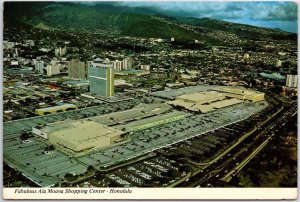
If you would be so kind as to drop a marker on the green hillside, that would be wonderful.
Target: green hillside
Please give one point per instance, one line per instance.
(83, 18)
(124, 21)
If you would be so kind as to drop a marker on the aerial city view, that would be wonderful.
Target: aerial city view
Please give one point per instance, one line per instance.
(150, 94)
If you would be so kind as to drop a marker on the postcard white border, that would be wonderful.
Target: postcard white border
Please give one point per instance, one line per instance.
(152, 193)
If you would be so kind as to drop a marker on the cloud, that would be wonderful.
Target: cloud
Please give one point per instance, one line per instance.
(285, 11)
(282, 14)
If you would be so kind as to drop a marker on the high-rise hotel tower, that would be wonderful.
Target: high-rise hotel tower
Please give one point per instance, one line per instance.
(101, 78)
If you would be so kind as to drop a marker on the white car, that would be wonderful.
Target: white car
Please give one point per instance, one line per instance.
(26, 141)
(49, 152)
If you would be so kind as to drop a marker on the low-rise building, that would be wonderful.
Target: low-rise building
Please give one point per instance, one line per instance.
(212, 100)
(55, 109)
(242, 94)
(79, 135)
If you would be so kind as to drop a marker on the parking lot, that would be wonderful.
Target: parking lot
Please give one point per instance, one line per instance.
(50, 169)
(148, 140)
(30, 158)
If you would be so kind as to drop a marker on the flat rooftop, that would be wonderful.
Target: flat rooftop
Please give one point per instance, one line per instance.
(225, 103)
(153, 121)
(48, 169)
(238, 91)
(63, 106)
(173, 93)
(202, 97)
(140, 111)
(81, 135)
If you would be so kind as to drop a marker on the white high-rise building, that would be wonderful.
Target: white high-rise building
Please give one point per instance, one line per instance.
(292, 81)
(77, 69)
(39, 66)
(117, 65)
(16, 52)
(278, 63)
(56, 51)
(60, 51)
(53, 69)
(127, 63)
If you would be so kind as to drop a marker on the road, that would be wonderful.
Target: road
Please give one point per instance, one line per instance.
(241, 165)
(229, 165)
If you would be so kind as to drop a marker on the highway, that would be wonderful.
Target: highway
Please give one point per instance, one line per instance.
(229, 165)
(267, 135)
(240, 166)
(214, 172)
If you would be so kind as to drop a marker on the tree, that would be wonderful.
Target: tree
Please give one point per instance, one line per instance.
(49, 148)
(24, 136)
(69, 176)
(90, 168)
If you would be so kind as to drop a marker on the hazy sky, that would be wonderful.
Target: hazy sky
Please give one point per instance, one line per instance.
(280, 14)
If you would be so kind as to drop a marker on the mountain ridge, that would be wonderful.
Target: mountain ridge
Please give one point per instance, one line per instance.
(123, 20)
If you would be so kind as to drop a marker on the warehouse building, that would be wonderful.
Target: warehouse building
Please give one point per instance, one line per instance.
(79, 136)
